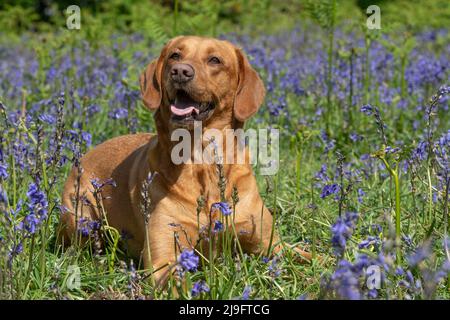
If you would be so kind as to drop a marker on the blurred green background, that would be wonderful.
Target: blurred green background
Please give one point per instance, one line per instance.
(161, 19)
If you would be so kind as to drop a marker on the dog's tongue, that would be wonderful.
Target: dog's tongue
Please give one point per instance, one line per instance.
(184, 105)
(183, 111)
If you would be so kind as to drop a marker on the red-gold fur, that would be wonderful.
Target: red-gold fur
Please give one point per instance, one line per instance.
(239, 92)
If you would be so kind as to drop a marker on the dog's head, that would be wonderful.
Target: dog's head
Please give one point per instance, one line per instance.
(201, 79)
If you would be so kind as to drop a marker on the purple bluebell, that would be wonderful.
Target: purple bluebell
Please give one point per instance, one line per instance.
(15, 250)
(199, 287)
(47, 118)
(355, 137)
(367, 109)
(37, 209)
(391, 150)
(188, 260)
(83, 227)
(422, 253)
(370, 241)
(223, 207)
(329, 189)
(3, 196)
(3, 171)
(119, 113)
(361, 195)
(345, 282)
(373, 293)
(342, 231)
(321, 175)
(274, 269)
(218, 226)
(86, 226)
(99, 185)
(246, 293)
(399, 271)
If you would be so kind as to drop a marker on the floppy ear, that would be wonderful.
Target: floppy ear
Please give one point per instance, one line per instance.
(250, 93)
(150, 82)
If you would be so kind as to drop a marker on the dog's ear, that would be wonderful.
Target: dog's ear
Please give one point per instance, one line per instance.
(151, 79)
(150, 82)
(250, 92)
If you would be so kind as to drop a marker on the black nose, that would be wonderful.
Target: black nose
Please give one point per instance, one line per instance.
(182, 72)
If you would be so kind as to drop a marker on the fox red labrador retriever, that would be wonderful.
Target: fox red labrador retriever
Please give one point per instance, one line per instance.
(194, 79)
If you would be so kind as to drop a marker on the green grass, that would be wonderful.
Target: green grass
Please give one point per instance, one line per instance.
(302, 216)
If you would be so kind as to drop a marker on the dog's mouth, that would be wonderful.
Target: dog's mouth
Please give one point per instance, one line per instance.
(185, 109)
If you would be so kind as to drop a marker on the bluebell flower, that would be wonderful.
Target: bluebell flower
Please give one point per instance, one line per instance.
(345, 282)
(274, 270)
(367, 109)
(134, 276)
(391, 150)
(370, 241)
(441, 149)
(86, 226)
(373, 293)
(95, 225)
(399, 271)
(30, 223)
(420, 152)
(93, 109)
(361, 195)
(246, 293)
(37, 198)
(61, 98)
(3, 197)
(198, 288)
(87, 138)
(15, 250)
(442, 272)
(99, 185)
(421, 254)
(218, 226)
(322, 174)
(375, 227)
(3, 171)
(329, 189)
(355, 137)
(119, 113)
(408, 241)
(47, 118)
(37, 208)
(188, 260)
(83, 227)
(342, 231)
(409, 276)
(222, 207)
(443, 90)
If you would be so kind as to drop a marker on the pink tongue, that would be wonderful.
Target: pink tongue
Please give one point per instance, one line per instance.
(184, 111)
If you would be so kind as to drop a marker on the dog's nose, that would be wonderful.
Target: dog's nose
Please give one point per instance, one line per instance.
(182, 72)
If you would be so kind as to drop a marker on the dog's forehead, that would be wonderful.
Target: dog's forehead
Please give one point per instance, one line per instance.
(203, 45)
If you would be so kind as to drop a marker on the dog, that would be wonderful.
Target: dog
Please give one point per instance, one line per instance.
(194, 79)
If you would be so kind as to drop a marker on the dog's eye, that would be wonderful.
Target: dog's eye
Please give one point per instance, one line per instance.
(175, 56)
(214, 60)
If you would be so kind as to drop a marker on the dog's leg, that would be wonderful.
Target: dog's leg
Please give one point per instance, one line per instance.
(164, 242)
(74, 208)
(256, 235)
